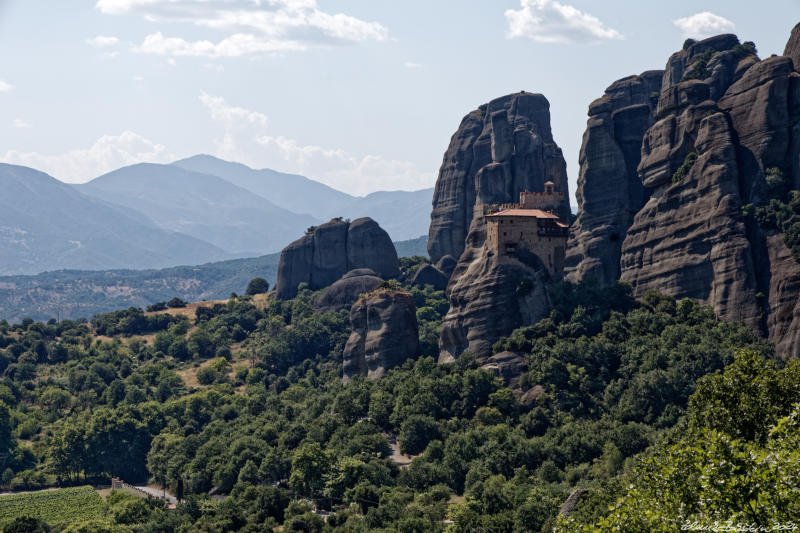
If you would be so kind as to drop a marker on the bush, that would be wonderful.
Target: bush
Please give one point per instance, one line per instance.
(685, 167)
(158, 306)
(257, 286)
(176, 303)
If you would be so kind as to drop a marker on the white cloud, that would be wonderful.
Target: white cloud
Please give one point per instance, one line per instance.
(230, 115)
(101, 41)
(108, 153)
(247, 140)
(5, 87)
(342, 170)
(548, 21)
(19, 123)
(233, 46)
(704, 24)
(411, 64)
(137, 78)
(251, 26)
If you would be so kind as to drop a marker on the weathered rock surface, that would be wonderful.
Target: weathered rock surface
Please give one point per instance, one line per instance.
(325, 254)
(736, 116)
(489, 298)
(499, 150)
(429, 275)
(385, 334)
(792, 49)
(345, 292)
(609, 189)
(447, 264)
(508, 366)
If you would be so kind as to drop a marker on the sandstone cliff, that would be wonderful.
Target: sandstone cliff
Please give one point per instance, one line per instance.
(489, 298)
(722, 118)
(609, 190)
(330, 250)
(499, 150)
(385, 334)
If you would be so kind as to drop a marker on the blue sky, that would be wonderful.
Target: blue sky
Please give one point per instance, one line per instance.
(360, 94)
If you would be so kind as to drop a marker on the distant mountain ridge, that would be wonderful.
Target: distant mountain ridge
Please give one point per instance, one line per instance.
(403, 214)
(46, 224)
(202, 205)
(196, 210)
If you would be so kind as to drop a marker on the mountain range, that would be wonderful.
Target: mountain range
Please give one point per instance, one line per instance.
(196, 210)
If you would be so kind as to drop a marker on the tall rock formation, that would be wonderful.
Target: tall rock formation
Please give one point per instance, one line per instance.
(327, 252)
(385, 334)
(499, 150)
(722, 118)
(609, 189)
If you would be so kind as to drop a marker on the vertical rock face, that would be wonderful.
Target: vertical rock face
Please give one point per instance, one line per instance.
(609, 189)
(325, 254)
(385, 334)
(722, 118)
(792, 49)
(499, 150)
(489, 298)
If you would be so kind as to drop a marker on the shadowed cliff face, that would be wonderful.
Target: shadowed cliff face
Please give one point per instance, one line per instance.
(331, 250)
(609, 189)
(499, 150)
(722, 118)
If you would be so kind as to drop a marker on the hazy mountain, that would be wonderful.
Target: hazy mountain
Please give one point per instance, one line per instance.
(46, 225)
(290, 191)
(201, 205)
(81, 293)
(404, 215)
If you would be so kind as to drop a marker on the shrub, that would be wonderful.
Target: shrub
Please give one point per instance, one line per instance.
(257, 286)
(685, 167)
(176, 303)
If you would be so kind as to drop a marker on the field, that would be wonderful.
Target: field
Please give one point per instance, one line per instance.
(56, 507)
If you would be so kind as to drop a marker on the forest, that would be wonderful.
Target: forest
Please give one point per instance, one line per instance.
(654, 408)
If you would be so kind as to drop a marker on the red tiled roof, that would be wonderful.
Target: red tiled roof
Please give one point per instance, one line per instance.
(537, 213)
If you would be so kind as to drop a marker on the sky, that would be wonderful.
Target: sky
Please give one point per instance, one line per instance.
(362, 95)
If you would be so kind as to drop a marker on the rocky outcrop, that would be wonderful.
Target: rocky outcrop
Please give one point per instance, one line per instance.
(609, 189)
(722, 118)
(508, 366)
(429, 275)
(330, 250)
(499, 150)
(489, 298)
(447, 264)
(385, 334)
(690, 239)
(792, 49)
(346, 291)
